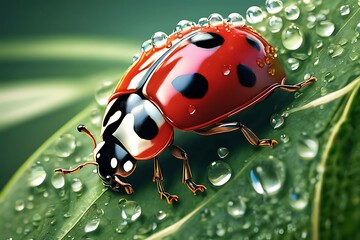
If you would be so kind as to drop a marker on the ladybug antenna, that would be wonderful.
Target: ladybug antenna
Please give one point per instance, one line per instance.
(83, 129)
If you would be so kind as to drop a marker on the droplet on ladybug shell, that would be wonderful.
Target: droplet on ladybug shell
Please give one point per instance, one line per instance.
(146, 46)
(184, 25)
(215, 19)
(159, 39)
(191, 109)
(203, 22)
(226, 69)
(236, 20)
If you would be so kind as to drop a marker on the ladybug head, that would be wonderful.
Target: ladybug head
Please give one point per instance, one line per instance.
(111, 158)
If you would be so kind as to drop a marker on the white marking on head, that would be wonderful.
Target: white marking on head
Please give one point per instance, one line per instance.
(128, 166)
(113, 162)
(154, 113)
(97, 149)
(116, 116)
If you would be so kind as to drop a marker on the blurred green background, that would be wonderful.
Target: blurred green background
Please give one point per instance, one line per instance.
(54, 53)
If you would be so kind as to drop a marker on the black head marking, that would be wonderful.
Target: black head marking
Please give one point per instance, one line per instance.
(207, 40)
(246, 76)
(144, 126)
(253, 42)
(193, 86)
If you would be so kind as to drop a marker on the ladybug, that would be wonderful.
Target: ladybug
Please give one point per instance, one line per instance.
(191, 80)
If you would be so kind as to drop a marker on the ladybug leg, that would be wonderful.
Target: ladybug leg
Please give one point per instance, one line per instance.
(127, 186)
(158, 178)
(179, 153)
(234, 126)
(75, 170)
(296, 87)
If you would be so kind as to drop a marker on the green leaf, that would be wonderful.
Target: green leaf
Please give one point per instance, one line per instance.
(306, 187)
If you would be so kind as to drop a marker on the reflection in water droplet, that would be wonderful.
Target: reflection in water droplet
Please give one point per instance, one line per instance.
(268, 177)
(223, 152)
(219, 173)
(37, 176)
(65, 145)
(58, 180)
(344, 10)
(130, 210)
(298, 199)
(325, 28)
(254, 14)
(203, 22)
(273, 6)
(284, 138)
(307, 147)
(76, 185)
(292, 12)
(159, 39)
(19, 205)
(236, 208)
(276, 120)
(215, 19)
(92, 225)
(103, 92)
(292, 37)
(236, 20)
(275, 24)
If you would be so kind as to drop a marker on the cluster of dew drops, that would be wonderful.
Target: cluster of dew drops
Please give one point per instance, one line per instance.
(268, 177)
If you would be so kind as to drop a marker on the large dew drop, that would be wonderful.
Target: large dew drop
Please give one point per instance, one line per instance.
(76, 185)
(236, 20)
(65, 145)
(92, 225)
(130, 210)
(184, 25)
(215, 19)
(268, 177)
(273, 6)
(254, 14)
(307, 147)
(58, 180)
(37, 176)
(292, 12)
(219, 173)
(275, 24)
(292, 37)
(159, 39)
(103, 92)
(325, 28)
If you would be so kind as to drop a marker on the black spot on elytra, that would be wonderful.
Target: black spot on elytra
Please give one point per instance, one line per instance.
(246, 76)
(144, 126)
(191, 85)
(207, 40)
(253, 42)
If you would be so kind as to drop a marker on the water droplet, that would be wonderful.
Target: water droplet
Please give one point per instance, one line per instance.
(273, 6)
(95, 117)
(160, 215)
(203, 22)
(298, 199)
(58, 180)
(292, 12)
(122, 227)
(236, 208)
(329, 77)
(159, 39)
(276, 120)
(325, 28)
(293, 63)
(36, 219)
(103, 92)
(19, 205)
(268, 177)
(191, 109)
(307, 147)
(92, 225)
(319, 44)
(136, 57)
(184, 25)
(37, 176)
(316, 61)
(337, 51)
(223, 152)
(357, 28)
(76, 185)
(254, 14)
(226, 69)
(275, 24)
(344, 10)
(130, 210)
(236, 20)
(292, 37)
(219, 173)
(65, 145)
(146, 46)
(354, 55)
(215, 19)
(284, 138)
(220, 230)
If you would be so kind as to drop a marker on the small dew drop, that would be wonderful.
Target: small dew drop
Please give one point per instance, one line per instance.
(215, 19)
(307, 147)
(203, 22)
(37, 176)
(130, 210)
(219, 173)
(58, 180)
(325, 28)
(319, 44)
(276, 120)
(146, 46)
(236, 208)
(344, 10)
(293, 63)
(184, 25)
(273, 6)
(292, 37)
(236, 20)
(161, 215)
(36, 219)
(76, 185)
(275, 24)
(103, 92)
(136, 57)
(292, 12)
(19, 205)
(338, 51)
(65, 145)
(357, 29)
(159, 39)
(298, 199)
(267, 178)
(191, 109)
(329, 77)
(254, 14)
(92, 225)
(223, 152)
(316, 61)
(122, 227)
(284, 138)
(226, 69)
